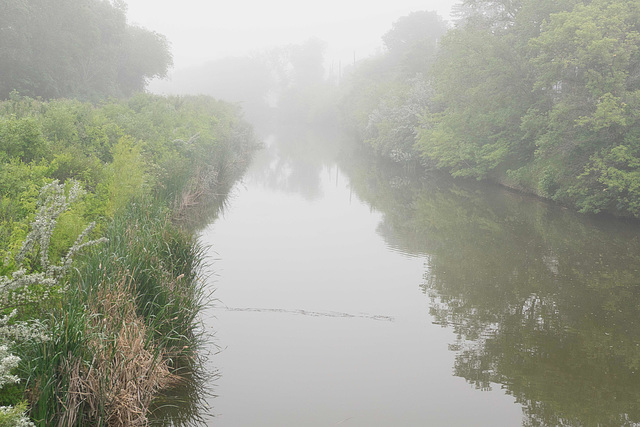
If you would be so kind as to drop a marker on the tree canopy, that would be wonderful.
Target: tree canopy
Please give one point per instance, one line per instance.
(386, 95)
(76, 48)
(541, 96)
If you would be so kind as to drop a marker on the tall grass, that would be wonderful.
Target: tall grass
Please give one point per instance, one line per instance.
(127, 328)
(163, 263)
(44, 364)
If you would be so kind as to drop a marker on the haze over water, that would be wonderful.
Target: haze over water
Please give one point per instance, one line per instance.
(319, 320)
(202, 31)
(354, 294)
(351, 292)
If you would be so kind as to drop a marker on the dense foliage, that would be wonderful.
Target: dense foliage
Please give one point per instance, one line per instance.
(387, 94)
(116, 150)
(133, 169)
(76, 48)
(539, 96)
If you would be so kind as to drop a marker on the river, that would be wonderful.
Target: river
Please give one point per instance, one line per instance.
(352, 293)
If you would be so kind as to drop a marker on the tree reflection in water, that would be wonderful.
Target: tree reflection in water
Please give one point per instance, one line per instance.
(543, 301)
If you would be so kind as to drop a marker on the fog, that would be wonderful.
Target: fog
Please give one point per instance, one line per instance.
(200, 31)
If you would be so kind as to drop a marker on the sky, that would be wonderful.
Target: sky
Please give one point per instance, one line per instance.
(202, 30)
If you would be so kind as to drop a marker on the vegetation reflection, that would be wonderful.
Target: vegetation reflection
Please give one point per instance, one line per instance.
(543, 301)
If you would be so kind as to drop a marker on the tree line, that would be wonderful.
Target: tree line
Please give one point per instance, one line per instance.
(540, 96)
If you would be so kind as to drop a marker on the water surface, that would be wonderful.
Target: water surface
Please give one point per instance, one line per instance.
(353, 293)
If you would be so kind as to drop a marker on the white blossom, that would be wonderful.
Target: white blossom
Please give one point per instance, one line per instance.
(15, 290)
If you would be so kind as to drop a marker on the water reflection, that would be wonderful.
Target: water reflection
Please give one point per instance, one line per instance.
(543, 301)
(293, 159)
(317, 321)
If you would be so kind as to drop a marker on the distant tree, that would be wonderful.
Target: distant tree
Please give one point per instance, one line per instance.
(389, 93)
(413, 39)
(307, 62)
(414, 28)
(76, 48)
(297, 65)
(144, 55)
(303, 93)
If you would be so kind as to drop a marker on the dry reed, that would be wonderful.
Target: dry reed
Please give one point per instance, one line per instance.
(126, 372)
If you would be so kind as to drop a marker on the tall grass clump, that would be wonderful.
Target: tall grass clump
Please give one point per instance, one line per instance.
(127, 328)
(163, 264)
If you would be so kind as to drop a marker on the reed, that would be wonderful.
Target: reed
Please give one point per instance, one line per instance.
(127, 328)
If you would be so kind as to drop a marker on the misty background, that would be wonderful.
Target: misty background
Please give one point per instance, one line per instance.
(249, 53)
(203, 31)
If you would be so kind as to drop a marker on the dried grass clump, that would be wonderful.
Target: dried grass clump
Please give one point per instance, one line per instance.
(202, 184)
(126, 372)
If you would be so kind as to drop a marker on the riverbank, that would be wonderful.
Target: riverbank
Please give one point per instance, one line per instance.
(527, 99)
(113, 310)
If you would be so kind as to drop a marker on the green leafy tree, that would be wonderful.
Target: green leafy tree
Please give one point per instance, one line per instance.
(391, 127)
(482, 89)
(586, 63)
(541, 96)
(412, 40)
(387, 94)
(75, 48)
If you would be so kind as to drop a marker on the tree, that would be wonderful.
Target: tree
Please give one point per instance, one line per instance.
(391, 127)
(413, 39)
(588, 69)
(303, 93)
(75, 48)
(389, 93)
(144, 55)
(482, 86)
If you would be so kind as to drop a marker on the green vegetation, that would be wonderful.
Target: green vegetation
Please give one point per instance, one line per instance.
(538, 96)
(99, 286)
(76, 48)
(106, 336)
(387, 94)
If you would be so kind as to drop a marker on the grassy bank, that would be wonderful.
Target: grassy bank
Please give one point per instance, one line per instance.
(112, 313)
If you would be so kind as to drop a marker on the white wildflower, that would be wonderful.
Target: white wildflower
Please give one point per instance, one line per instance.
(15, 290)
(15, 416)
(8, 362)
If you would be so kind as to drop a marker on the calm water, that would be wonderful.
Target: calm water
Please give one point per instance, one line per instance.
(353, 294)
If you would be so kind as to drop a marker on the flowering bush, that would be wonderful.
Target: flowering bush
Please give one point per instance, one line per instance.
(34, 269)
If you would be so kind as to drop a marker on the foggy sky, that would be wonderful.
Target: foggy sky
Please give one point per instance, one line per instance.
(201, 30)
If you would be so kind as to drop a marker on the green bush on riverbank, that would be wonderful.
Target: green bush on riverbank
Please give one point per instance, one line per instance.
(120, 325)
(538, 96)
